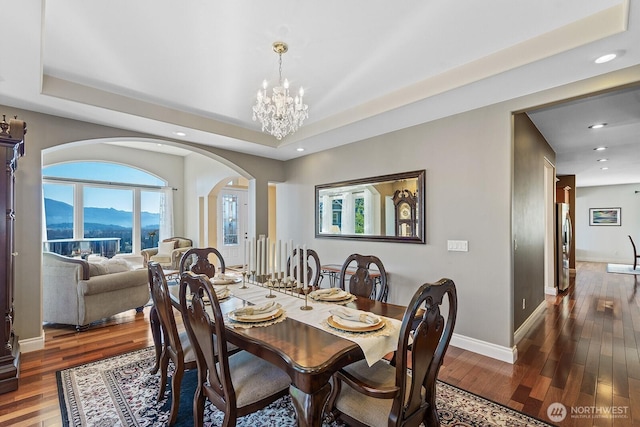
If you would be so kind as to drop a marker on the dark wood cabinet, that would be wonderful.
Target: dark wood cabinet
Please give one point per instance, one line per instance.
(12, 142)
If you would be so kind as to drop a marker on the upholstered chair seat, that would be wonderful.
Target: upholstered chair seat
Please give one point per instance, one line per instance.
(368, 410)
(249, 380)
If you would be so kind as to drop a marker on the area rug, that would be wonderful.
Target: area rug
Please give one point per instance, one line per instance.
(622, 269)
(120, 391)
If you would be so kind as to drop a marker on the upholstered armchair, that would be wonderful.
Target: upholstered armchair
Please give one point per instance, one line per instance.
(168, 252)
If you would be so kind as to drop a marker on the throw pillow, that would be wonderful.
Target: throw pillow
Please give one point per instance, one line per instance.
(165, 248)
(97, 269)
(118, 265)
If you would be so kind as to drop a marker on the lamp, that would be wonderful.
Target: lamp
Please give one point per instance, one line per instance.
(280, 114)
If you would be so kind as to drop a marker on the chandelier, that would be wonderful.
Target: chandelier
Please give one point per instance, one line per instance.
(280, 114)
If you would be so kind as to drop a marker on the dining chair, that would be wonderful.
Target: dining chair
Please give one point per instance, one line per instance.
(237, 384)
(360, 281)
(403, 393)
(314, 270)
(176, 345)
(635, 253)
(197, 260)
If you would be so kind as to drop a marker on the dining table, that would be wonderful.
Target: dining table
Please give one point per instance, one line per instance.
(301, 342)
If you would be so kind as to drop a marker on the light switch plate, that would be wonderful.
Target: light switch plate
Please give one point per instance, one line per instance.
(458, 245)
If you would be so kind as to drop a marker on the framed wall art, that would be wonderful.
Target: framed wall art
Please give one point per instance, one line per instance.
(605, 216)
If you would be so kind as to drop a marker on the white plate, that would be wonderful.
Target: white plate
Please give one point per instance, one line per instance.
(226, 281)
(338, 296)
(351, 326)
(253, 318)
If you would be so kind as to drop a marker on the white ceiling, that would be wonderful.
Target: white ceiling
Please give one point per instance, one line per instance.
(368, 66)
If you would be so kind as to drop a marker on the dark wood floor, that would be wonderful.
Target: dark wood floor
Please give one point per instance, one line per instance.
(583, 354)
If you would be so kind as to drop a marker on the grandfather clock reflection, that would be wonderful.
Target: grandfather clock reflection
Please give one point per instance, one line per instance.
(406, 206)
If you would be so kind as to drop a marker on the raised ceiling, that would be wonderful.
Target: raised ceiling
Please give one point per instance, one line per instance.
(368, 67)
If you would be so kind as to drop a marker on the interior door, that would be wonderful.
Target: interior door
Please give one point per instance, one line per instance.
(232, 225)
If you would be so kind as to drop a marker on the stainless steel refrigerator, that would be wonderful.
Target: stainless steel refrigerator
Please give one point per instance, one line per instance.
(564, 236)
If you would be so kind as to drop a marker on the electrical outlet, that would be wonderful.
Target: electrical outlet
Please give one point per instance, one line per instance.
(524, 303)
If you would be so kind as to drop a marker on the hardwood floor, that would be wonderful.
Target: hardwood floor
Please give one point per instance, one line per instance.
(583, 354)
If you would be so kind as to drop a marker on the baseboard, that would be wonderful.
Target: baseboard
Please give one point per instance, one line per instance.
(550, 290)
(531, 321)
(32, 344)
(505, 354)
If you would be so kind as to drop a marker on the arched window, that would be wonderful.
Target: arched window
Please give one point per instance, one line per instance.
(89, 203)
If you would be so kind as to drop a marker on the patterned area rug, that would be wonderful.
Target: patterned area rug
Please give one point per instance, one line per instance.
(120, 391)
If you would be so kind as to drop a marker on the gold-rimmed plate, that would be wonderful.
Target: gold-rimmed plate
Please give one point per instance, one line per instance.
(338, 296)
(226, 281)
(255, 318)
(351, 326)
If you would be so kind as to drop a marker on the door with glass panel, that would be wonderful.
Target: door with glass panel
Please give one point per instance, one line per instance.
(232, 225)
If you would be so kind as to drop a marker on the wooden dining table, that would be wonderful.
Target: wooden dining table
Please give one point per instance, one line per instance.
(310, 355)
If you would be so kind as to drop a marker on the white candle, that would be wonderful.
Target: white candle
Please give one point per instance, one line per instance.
(257, 257)
(291, 259)
(266, 259)
(277, 256)
(244, 251)
(283, 266)
(272, 263)
(252, 255)
(305, 278)
(296, 270)
(261, 259)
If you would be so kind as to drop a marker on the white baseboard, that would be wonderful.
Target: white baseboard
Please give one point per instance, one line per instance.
(537, 314)
(505, 354)
(32, 344)
(550, 290)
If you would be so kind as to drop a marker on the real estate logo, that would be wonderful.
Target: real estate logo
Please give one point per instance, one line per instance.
(557, 412)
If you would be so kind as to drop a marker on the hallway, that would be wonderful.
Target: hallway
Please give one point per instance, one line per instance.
(583, 354)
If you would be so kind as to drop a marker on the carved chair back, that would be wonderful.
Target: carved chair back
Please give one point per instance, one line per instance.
(209, 337)
(175, 347)
(424, 339)
(313, 266)
(360, 281)
(197, 261)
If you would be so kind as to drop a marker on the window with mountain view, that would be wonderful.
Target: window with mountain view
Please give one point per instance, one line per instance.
(95, 200)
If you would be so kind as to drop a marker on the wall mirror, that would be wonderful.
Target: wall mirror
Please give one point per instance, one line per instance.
(387, 208)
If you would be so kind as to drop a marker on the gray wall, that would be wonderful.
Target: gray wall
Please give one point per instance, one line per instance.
(469, 164)
(469, 159)
(530, 150)
(607, 243)
(45, 131)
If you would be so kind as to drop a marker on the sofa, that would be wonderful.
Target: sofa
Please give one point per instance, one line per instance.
(168, 252)
(78, 292)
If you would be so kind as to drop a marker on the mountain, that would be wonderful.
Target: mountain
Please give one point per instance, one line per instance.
(57, 212)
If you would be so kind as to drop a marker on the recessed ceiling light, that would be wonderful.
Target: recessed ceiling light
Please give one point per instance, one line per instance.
(300, 149)
(597, 126)
(603, 160)
(178, 133)
(606, 58)
(600, 148)
(604, 169)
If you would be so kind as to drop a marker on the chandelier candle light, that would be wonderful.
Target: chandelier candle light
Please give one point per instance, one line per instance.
(280, 114)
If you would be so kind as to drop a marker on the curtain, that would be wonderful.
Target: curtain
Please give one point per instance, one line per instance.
(327, 212)
(166, 215)
(348, 214)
